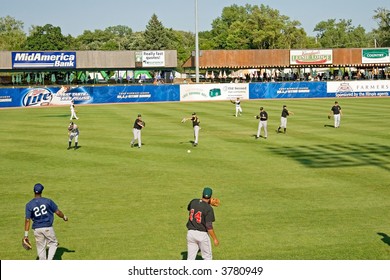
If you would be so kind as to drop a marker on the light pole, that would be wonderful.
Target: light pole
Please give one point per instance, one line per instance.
(196, 43)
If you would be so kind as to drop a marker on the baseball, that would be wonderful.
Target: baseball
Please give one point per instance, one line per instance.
(188, 151)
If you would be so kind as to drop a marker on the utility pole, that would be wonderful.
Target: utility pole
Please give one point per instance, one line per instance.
(196, 44)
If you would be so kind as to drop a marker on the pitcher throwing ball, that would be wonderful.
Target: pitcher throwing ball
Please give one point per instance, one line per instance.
(139, 124)
(196, 125)
(200, 226)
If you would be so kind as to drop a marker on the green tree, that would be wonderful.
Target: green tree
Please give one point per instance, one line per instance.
(342, 34)
(382, 34)
(183, 42)
(45, 38)
(156, 35)
(96, 40)
(122, 36)
(255, 27)
(222, 34)
(12, 36)
(137, 41)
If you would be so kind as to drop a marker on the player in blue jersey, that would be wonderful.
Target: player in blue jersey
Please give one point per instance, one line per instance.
(40, 211)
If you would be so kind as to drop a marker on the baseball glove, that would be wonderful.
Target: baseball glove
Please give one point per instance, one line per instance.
(328, 117)
(215, 202)
(26, 243)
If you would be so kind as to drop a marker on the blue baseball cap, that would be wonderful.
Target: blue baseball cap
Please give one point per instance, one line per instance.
(38, 188)
(207, 192)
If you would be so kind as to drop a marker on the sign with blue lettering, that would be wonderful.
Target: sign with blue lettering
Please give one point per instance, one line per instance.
(43, 60)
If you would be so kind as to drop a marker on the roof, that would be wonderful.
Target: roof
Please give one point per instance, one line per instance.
(279, 58)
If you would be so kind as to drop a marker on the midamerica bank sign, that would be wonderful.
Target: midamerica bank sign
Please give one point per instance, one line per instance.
(43, 60)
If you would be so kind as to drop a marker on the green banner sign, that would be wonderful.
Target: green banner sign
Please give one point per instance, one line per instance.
(375, 56)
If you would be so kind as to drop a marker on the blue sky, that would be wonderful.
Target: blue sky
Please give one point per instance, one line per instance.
(76, 16)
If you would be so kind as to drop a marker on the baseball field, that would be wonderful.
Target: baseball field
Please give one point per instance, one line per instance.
(315, 193)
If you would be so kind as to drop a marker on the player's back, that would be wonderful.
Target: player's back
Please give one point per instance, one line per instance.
(41, 211)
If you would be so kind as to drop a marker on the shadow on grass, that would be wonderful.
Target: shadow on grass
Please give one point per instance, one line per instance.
(335, 155)
(185, 254)
(385, 238)
(60, 251)
(74, 148)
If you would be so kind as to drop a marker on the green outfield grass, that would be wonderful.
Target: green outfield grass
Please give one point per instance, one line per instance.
(315, 193)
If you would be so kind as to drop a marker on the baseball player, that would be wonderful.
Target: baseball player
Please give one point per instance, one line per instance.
(283, 119)
(238, 106)
(139, 124)
(200, 226)
(196, 125)
(263, 119)
(336, 111)
(41, 211)
(73, 111)
(73, 132)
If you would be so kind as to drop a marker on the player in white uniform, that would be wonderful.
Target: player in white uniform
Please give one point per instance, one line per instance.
(73, 111)
(238, 106)
(73, 132)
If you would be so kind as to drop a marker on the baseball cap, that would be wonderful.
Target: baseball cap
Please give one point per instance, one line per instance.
(139, 115)
(193, 113)
(38, 188)
(207, 192)
(261, 108)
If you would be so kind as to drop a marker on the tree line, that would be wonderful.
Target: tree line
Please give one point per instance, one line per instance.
(238, 27)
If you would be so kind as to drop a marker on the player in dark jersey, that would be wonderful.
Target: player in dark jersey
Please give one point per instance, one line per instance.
(196, 125)
(73, 132)
(336, 111)
(41, 211)
(283, 119)
(200, 226)
(138, 125)
(263, 120)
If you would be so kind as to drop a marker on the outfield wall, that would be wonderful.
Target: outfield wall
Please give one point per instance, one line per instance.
(41, 96)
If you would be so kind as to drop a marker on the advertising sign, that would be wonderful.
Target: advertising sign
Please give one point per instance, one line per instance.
(43, 60)
(375, 56)
(364, 88)
(47, 96)
(204, 92)
(153, 59)
(304, 57)
(288, 90)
